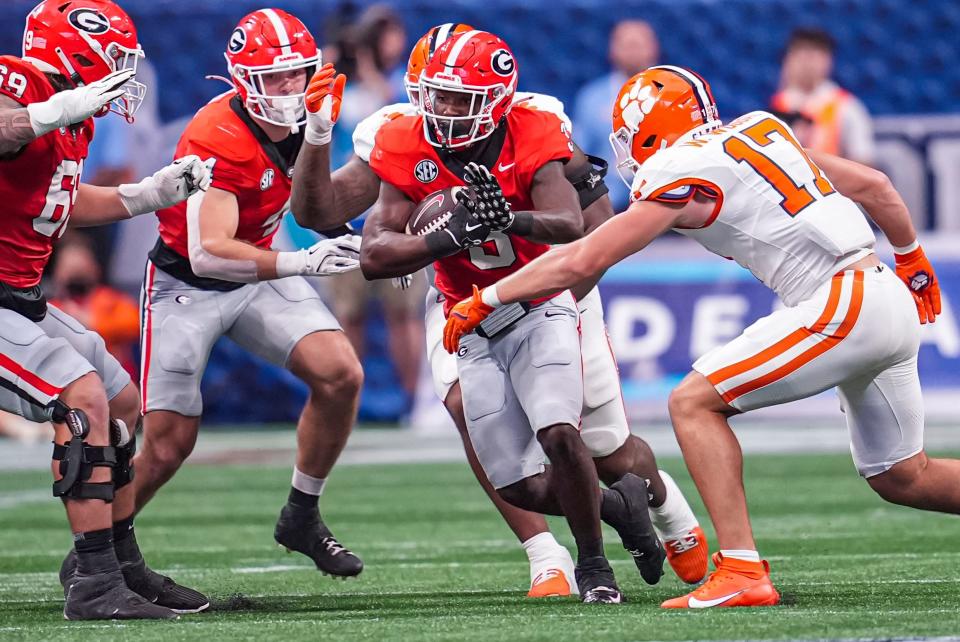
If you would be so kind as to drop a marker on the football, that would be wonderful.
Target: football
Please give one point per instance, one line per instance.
(434, 211)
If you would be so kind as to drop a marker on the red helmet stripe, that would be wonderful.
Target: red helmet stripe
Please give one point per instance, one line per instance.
(282, 36)
(457, 47)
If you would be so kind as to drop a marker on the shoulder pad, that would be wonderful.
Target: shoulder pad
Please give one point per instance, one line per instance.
(23, 82)
(399, 135)
(364, 136)
(543, 102)
(217, 130)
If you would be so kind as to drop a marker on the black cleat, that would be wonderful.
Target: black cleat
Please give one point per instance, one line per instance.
(632, 523)
(303, 531)
(148, 584)
(105, 596)
(596, 582)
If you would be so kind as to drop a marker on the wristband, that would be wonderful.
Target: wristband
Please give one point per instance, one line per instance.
(290, 263)
(906, 249)
(490, 297)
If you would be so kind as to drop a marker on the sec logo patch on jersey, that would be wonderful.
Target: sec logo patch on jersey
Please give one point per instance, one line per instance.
(426, 171)
(266, 181)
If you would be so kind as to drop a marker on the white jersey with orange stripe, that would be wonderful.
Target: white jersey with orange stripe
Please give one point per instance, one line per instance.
(776, 214)
(366, 132)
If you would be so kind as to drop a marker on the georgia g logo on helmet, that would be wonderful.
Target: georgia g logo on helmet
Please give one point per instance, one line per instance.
(89, 20)
(238, 40)
(502, 62)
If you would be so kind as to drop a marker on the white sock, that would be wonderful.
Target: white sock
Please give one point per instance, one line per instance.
(741, 554)
(540, 547)
(674, 517)
(307, 484)
(544, 552)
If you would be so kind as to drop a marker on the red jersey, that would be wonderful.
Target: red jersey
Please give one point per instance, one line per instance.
(39, 184)
(403, 158)
(247, 165)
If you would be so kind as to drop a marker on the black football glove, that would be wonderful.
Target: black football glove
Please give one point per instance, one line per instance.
(464, 227)
(490, 206)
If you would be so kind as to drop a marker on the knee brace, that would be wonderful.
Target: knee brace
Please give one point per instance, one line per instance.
(125, 444)
(78, 459)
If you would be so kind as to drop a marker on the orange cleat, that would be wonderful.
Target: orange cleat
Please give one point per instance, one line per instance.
(734, 583)
(687, 555)
(552, 582)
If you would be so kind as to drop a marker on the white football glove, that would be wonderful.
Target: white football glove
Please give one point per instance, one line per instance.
(323, 258)
(72, 106)
(168, 186)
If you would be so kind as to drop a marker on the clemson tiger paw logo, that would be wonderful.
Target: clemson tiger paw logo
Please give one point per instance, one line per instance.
(637, 103)
(919, 281)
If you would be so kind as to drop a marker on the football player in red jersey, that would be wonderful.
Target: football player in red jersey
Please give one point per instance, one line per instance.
(79, 61)
(521, 384)
(212, 273)
(322, 200)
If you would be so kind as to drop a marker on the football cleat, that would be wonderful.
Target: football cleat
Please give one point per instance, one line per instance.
(303, 531)
(104, 596)
(687, 555)
(147, 583)
(552, 582)
(636, 532)
(736, 582)
(596, 581)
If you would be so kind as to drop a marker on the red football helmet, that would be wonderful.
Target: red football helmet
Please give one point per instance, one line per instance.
(271, 41)
(654, 109)
(84, 41)
(467, 89)
(422, 53)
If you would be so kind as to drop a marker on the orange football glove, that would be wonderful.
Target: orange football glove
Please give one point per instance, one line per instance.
(915, 270)
(464, 317)
(323, 99)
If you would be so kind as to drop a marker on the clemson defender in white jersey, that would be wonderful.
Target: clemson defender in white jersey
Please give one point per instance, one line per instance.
(355, 188)
(749, 192)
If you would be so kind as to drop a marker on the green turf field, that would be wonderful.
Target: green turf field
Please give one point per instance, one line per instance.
(440, 564)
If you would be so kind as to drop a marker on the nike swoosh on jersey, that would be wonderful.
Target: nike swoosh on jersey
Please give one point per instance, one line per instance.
(694, 603)
(502, 168)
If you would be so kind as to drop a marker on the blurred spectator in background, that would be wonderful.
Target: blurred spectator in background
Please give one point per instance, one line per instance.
(841, 124)
(633, 48)
(373, 52)
(78, 291)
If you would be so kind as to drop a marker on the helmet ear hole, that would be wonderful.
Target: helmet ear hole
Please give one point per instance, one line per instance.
(651, 139)
(82, 60)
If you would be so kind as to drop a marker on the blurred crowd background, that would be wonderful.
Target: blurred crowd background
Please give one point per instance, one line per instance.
(872, 80)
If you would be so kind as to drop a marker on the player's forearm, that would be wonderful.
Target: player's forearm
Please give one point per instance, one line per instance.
(312, 198)
(557, 270)
(97, 205)
(387, 254)
(15, 130)
(230, 259)
(887, 209)
(873, 190)
(548, 226)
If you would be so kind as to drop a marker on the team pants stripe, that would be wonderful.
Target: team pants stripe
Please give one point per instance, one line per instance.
(824, 334)
(146, 324)
(29, 383)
